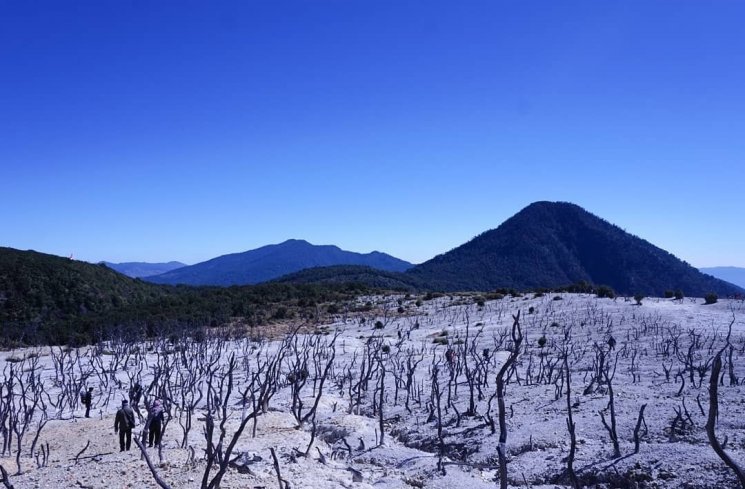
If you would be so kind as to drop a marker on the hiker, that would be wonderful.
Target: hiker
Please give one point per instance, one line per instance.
(450, 356)
(87, 399)
(154, 423)
(123, 424)
(135, 394)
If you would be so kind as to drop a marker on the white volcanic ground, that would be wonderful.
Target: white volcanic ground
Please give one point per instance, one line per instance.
(537, 443)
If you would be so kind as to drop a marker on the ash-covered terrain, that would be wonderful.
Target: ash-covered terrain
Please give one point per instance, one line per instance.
(396, 392)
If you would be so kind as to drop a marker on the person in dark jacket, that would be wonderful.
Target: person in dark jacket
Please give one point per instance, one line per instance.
(123, 424)
(87, 401)
(154, 423)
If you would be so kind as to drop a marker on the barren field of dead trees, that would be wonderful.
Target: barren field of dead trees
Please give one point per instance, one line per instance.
(464, 390)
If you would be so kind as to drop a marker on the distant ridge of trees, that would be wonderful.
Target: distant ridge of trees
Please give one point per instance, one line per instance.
(367, 276)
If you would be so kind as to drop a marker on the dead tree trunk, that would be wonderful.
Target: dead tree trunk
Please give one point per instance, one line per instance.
(5, 478)
(150, 465)
(639, 422)
(608, 376)
(713, 414)
(570, 426)
(381, 400)
(517, 339)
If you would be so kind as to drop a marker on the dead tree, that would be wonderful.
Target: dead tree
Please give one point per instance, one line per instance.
(25, 391)
(190, 395)
(411, 366)
(311, 414)
(470, 372)
(283, 484)
(436, 406)
(570, 425)
(220, 385)
(639, 421)
(517, 339)
(150, 465)
(5, 478)
(608, 376)
(381, 365)
(319, 351)
(298, 376)
(5, 396)
(712, 419)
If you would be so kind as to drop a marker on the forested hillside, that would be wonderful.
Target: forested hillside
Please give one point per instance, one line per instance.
(49, 299)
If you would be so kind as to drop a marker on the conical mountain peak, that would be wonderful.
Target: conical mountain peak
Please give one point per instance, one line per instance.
(554, 244)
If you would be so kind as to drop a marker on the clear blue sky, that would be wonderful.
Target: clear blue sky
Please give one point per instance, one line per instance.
(152, 131)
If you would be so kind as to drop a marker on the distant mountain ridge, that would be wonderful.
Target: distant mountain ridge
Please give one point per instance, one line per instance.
(734, 275)
(273, 261)
(546, 245)
(137, 269)
(553, 244)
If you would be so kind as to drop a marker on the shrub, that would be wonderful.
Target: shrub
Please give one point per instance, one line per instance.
(638, 298)
(494, 296)
(531, 310)
(332, 309)
(281, 313)
(401, 309)
(581, 287)
(711, 298)
(669, 294)
(331, 434)
(679, 295)
(542, 341)
(418, 303)
(386, 348)
(379, 325)
(605, 291)
(558, 298)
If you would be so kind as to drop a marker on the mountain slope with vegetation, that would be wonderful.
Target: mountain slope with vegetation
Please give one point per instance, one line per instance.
(274, 261)
(47, 299)
(553, 244)
(38, 291)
